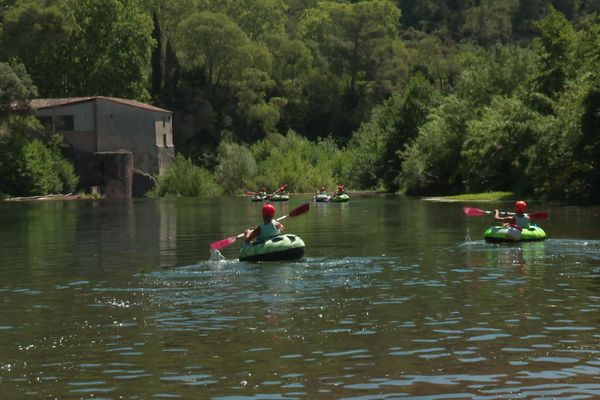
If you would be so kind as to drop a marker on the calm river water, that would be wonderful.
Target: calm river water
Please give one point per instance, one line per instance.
(395, 298)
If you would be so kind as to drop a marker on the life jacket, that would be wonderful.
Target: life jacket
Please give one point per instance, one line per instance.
(267, 231)
(522, 220)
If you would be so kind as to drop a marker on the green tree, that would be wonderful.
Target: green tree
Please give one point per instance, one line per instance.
(236, 167)
(496, 146)
(16, 89)
(432, 57)
(491, 21)
(346, 35)
(565, 161)
(346, 39)
(499, 70)
(256, 18)
(430, 162)
(393, 126)
(554, 47)
(36, 34)
(291, 58)
(216, 43)
(82, 48)
(110, 49)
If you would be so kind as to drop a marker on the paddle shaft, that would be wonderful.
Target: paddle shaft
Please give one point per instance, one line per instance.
(477, 212)
(281, 189)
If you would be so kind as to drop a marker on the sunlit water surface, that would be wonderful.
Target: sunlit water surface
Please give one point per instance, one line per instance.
(395, 298)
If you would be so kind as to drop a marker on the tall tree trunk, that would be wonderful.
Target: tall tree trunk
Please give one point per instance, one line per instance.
(157, 70)
(171, 73)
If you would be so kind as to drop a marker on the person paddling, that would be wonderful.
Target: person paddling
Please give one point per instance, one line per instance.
(520, 220)
(340, 190)
(268, 229)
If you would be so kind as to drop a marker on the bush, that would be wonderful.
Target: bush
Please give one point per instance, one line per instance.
(29, 167)
(302, 164)
(236, 167)
(183, 178)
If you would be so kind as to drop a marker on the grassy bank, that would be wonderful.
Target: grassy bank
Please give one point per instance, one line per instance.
(489, 196)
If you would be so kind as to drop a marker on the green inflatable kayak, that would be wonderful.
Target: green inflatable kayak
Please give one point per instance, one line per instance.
(257, 198)
(340, 199)
(280, 247)
(280, 197)
(510, 234)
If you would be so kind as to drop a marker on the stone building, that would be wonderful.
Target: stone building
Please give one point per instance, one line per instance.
(107, 124)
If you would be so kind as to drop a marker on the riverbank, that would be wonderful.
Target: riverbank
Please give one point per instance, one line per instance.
(482, 197)
(68, 196)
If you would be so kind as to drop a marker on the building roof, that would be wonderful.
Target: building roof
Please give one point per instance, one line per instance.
(38, 104)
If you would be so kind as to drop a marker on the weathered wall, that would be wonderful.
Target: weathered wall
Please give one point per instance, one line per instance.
(141, 131)
(111, 171)
(83, 136)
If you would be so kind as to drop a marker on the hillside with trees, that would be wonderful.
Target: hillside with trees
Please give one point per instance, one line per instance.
(423, 97)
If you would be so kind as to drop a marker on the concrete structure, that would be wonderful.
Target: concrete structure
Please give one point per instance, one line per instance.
(108, 124)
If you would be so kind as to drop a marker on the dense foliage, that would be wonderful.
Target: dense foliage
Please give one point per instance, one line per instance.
(30, 167)
(30, 164)
(429, 97)
(183, 178)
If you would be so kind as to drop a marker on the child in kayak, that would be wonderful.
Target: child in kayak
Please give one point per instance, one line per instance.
(268, 229)
(340, 190)
(519, 220)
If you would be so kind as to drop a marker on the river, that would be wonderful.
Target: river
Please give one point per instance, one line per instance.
(395, 298)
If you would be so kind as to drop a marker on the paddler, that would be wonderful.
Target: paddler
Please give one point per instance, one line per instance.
(268, 229)
(340, 190)
(520, 219)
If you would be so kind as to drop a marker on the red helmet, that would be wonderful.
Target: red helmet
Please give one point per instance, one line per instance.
(268, 211)
(520, 206)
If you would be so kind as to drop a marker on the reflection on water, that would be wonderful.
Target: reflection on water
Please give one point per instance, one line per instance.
(125, 300)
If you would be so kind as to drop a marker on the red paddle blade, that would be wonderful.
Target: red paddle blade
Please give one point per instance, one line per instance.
(300, 210)
(538, 215)
(250, 193)
(221, 244)
(474, 212)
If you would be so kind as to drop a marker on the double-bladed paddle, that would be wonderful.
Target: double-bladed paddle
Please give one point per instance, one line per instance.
(477, 212)
(221, 244)
(281, 189)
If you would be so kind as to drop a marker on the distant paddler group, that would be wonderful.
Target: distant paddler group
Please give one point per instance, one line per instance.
(280, 194)
(339, 196)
